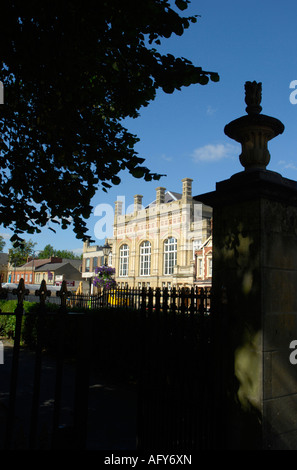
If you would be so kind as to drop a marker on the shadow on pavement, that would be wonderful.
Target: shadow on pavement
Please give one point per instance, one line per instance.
(112, 407)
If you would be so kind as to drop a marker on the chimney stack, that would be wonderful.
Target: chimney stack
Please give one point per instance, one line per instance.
(137, 202)
(187, 190)
(160, 199)
(118, 208)
(86, 245)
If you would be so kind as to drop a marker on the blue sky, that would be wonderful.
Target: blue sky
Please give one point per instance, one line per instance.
(182, 134)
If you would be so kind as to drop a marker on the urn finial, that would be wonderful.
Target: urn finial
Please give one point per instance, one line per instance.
(253, 97)
(254, 130)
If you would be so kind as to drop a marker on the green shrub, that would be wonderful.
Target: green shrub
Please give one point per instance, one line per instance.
(114, 335)
(29, 320)
(7, 325)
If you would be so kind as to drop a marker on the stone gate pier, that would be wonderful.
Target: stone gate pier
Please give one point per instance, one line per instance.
(255, 292)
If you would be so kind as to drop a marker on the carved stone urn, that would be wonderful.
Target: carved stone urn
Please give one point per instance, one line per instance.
(254, 130)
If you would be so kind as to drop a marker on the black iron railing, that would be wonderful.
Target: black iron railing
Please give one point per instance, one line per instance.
(170, 336)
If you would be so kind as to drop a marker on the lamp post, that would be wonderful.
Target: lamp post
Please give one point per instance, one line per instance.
(106, 250)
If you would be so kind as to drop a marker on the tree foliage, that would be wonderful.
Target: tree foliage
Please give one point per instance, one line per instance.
(19, 254)
(49, 251)
(72, 71)
(2, 243)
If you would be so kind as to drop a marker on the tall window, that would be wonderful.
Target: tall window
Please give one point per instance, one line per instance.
(87, 269)
(145, 259)
(170, 255)
(209, 265)
(200, 267)
(124, 260)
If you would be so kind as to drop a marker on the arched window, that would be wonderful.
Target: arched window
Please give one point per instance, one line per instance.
(145, 259)
(170, 255)
(124, 260)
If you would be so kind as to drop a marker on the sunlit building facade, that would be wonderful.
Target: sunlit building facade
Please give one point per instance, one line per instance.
(154, 246)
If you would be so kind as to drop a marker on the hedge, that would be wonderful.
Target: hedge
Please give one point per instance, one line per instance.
(114, 335)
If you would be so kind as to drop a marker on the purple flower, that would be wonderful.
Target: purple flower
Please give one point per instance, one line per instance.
(104, 278)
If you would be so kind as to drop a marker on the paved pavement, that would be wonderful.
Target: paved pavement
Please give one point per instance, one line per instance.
(112, 407)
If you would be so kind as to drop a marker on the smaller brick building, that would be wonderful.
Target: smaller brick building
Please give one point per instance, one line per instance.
(35, 270)
(203, 264)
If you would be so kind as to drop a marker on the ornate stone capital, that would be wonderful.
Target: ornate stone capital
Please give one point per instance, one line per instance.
(254, 130)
